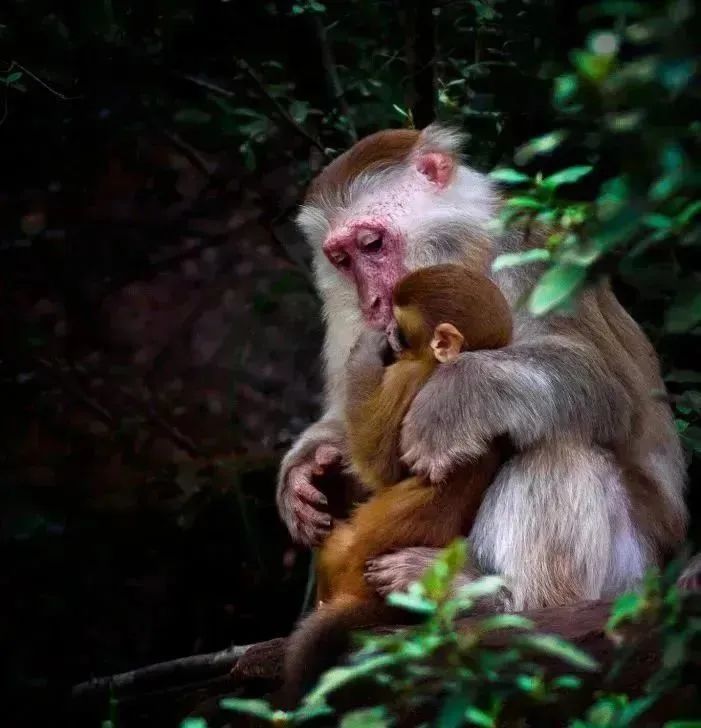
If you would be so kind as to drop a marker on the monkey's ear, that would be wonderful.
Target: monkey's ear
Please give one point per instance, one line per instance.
(447, 342)
(437, 167)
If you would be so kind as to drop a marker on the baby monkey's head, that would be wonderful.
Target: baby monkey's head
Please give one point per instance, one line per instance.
(442, 310)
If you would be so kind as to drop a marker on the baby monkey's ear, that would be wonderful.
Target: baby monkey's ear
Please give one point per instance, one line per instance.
(447, 342)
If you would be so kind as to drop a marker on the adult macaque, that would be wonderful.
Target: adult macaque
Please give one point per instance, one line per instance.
(594, 491)
(440, 311)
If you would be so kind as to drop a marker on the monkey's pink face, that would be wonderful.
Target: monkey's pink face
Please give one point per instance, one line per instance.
(368, 243)
(370, 252)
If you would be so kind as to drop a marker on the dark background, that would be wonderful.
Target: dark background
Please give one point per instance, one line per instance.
(159, 330)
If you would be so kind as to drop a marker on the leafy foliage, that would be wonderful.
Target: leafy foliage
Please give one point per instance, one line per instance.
(462, 681)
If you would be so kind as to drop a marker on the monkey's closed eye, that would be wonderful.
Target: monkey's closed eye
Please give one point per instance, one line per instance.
(371, 243)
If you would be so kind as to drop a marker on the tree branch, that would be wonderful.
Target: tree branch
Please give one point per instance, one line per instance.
(282, 112)
(329, 63)
(190, 153)
(184, 669)
(260, 87)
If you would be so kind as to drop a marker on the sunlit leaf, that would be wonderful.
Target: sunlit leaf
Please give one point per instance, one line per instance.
(509, 176)
(555, 287)
(482, 587)
(194, 722)
(366, 718)
(626, 607)
(475, 716)
(412, 603)
(257, 708)
(511, 260)
(566, 176)
(540, 145)
(335, 678)
(557, 647)
(505, 621)
(567, 682)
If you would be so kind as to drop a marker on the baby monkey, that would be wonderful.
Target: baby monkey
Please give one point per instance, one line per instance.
(439, 312)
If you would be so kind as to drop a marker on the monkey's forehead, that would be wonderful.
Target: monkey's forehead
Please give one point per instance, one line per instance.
(380, 151)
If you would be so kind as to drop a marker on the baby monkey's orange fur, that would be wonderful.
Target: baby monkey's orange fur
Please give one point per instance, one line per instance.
(439, 311)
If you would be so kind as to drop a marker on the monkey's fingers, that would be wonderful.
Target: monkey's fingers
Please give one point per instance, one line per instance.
(326, 457)
(302, 488)
(311, 521)
(397, 570)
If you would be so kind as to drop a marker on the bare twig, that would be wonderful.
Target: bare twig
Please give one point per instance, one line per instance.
(260, 87)
(36, 78)
(178, 437)
(190, 153)
(184, 669)
(209, 86)
(281, 111)
(329, 63)
(55, 368)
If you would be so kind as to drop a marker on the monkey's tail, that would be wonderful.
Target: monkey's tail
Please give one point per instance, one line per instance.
(321, 639)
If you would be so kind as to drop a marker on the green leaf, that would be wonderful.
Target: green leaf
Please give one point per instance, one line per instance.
(505, 621)
(635, 709)
(193, 723)
(593, 67)
(192, 116)
(484, 586)
(299, 110)
(565, 88)
(540, 145)
(509, 176)
(683, 724)
(557, 647)
(512, 260)
(528, 203)
(568, 682)
(685, 311)
(529, 683)
(475, 716)
(625, 608)
(257, 708)
(555, 287)
(412, 603)
(566, 176)
(337, 677)
(12, 77)
(689, 212)
(691, 437)
(685, 376)
(366, 718)
(452, 713)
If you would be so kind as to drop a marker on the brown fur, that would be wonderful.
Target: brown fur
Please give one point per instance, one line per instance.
(375, 152)
(400, 513)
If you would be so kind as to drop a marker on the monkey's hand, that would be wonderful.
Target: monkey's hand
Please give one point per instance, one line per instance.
(314, 460)
(444, 425)
(397, 570)
(365, 369)
(367, 360)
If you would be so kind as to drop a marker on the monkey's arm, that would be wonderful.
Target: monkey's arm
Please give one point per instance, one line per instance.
(376, 405)
(546, 386)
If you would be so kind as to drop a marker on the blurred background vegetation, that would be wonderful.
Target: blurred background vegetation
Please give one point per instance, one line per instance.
(160, 332)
